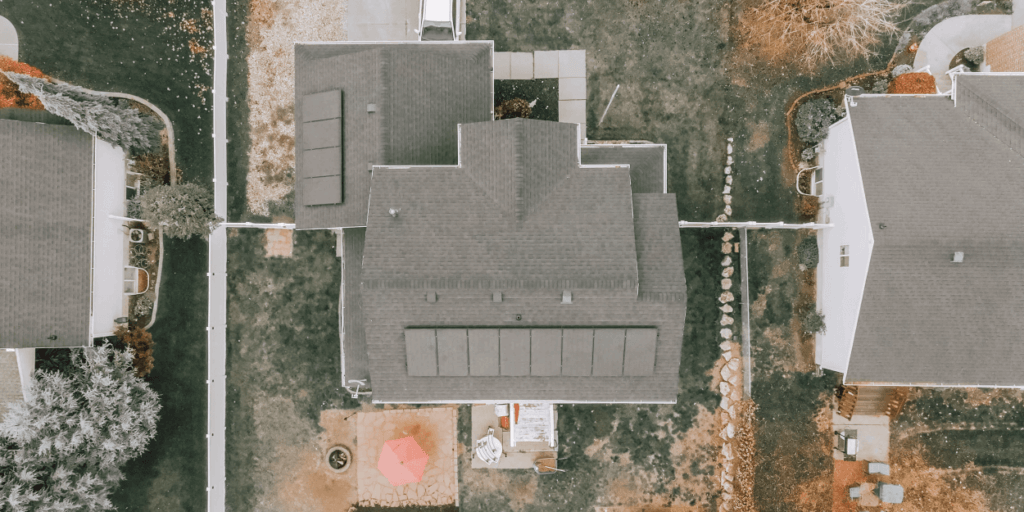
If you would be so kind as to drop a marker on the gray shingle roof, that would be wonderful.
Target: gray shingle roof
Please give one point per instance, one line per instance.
(46, 204)
(422, 91)
(646, 163)
(356, 363)
(940, 183)
(520, 217)
(996, 103)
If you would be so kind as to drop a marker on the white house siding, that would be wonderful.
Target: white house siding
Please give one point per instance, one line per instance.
(840, 289)
(110, 239)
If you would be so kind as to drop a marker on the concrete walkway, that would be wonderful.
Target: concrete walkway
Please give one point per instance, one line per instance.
(218, 295)
(8, 39)
(951, 35)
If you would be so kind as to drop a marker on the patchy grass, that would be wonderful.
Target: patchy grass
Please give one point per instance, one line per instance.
(238, 112)
(284, 357)
(104, 46)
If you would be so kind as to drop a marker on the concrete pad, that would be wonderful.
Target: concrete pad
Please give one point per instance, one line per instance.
(502, 65)
(8, 39)
(522, 66)
(545, 64)
(522, 456)
(951, 35)
(572, 111)
(572, 88)
(572, 64)
(383, 20)
(1018, 14)
(872, 435)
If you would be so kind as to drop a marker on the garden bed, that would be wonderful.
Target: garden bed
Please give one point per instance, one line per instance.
(542, 90)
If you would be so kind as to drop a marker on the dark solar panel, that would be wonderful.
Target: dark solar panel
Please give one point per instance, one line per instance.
(321, 162)
(322, 105)
(577, 351)
(546, 352)
(452, 353)
(322, 190)
(640, 350)
(514, 348)
(483, 352)
(321, 134)
(608, 348)
(421, 352)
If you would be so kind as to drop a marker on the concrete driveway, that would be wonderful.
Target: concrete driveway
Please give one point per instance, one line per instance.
(383, 20)
(8, 39)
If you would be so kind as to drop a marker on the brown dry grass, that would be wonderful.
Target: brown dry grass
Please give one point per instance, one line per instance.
(930, 489)
(809, 33)
(745, 462)
(272, 29)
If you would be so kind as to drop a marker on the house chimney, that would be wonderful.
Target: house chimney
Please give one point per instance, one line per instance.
(958, 257)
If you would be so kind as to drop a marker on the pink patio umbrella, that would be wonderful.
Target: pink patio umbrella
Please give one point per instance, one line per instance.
(402, 461)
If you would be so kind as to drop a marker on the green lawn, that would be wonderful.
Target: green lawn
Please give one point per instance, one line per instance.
(92, 44)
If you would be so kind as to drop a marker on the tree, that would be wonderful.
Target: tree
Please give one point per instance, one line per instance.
(10, 96)
(116, 123)
(812, 32)
(66, 444)
(183, 210)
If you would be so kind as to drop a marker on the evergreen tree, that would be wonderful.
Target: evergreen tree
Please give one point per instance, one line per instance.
(116, 123)
(184, 210)
(65, 445)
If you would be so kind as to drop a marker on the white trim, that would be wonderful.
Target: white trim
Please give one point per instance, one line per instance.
(754, 225)
(526, 400)
(340, 237)
(926, 385)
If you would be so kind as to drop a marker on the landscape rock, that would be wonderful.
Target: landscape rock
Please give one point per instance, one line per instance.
(721, 218)
(726, 346)
(728, 160)
(727, 236)
(728, 272)
(729, 139)
(723, 435)
(726, 320)
(728, 180)
(727, 356)
(724, 388)
(727, 453)
(726, 297)
(727, 487)
(726, 283)
(728, 477)
(726, 248)
(727, 189)
(728, 149)
(737, 393)
(734, 365)
(734, 378)
(730, 430)
(726, 309)
(728, 210)
(731, 411)
(727, 261)
(728, 170)
(725, 405)
(727, 334)
(726, 373)
(727, 198)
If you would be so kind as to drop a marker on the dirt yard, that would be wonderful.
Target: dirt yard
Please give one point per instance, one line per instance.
(273, 28)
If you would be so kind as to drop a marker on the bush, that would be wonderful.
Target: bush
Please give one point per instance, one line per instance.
(813, 322)
(808, 250)
(10, 96)
(808, 154)
(901, 69)
(143, 306)
(515, 107)
(141, 344)
(880, 86)
(155, 169)
(183, 210)
(975, 55)
(813, 119)
(808, 207)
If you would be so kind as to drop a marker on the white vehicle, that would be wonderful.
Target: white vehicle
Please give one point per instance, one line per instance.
(436, 20)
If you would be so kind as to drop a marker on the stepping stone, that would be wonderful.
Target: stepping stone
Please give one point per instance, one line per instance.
(521, 64)
(572, 64)
(502, 65)
(572, 89)
(545, 64)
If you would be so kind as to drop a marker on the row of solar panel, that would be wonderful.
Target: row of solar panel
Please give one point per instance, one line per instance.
(321, 148)
(548, 352)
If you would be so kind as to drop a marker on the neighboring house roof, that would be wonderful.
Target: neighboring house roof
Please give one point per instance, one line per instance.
(942, 179)
(46, 202)
(418, 93)
(522, 217)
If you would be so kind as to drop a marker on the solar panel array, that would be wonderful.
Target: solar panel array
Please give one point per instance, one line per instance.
(321, 148)
(540, 352)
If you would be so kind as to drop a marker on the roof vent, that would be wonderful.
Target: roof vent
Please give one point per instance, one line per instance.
(394, 212)
(431, 297)
(371, 108)
(566, 297)
(958, 257)
(496, 297)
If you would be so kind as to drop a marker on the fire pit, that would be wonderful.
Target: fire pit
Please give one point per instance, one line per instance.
(339, 459)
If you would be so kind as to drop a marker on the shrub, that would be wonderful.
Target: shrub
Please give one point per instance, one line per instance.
(975, 55)
(10, 95)
(143, 306)
(155, 168)
(813, 322)
(913, 83)
(808, 154)
(133, 209)
(141, 344)
(880, 86)
(183, 210)
(808, 207)
(812, 32)
(813, 119)
(808, 251)
(901, 69)
(118, 124)
(515, 107)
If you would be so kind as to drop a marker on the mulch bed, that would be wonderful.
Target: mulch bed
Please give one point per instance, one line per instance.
(913, 83)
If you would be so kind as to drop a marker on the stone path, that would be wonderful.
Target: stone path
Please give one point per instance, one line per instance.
(435, 430)
(568, 66)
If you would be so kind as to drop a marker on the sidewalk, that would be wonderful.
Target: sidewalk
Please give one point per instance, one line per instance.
(944, 40)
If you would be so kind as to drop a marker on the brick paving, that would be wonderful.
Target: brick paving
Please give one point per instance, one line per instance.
(434, 430)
